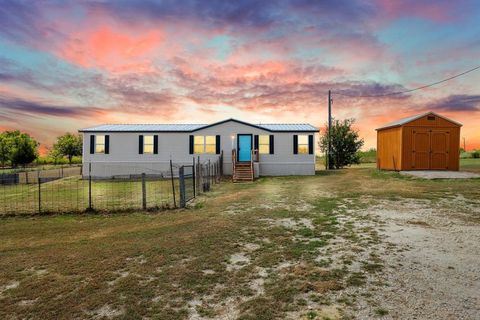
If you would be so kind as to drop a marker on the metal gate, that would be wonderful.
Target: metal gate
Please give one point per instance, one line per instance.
(187, 184)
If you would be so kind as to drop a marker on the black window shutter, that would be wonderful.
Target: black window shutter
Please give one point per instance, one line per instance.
(107, 144)
(217, 144)
(295, 144)
(255, 142)
(92, 144)
(155, 144)
(191, 145)
(310, 144)
(140, 144)
(271, 144)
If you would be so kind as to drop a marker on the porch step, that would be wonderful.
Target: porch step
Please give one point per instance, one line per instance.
(243, 172)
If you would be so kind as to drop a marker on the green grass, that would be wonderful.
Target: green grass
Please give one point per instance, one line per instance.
(169, 264)
(470, 165)
(369, 156)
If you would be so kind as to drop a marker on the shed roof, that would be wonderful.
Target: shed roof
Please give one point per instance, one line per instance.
(274, 127)
(406, 120)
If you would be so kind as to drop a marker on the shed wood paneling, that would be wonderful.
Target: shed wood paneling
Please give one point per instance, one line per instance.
(389, 153)
(430, 142)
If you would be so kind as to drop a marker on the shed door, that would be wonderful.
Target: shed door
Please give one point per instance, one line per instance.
(421, 149)
(439, 150)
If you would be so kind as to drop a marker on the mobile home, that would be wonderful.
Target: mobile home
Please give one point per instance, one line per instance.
(272, 149)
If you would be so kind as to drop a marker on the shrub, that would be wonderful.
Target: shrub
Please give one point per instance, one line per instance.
(345, 143)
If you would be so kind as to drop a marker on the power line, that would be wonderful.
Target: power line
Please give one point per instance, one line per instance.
(407, 91)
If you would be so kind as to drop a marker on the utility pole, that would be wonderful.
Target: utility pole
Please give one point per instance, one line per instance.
(464, 145)
(329, 152)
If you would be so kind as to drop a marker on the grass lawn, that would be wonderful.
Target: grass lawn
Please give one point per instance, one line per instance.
(470, 165)
(287, 247)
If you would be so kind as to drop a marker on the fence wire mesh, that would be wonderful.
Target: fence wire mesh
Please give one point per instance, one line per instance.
(66, 190)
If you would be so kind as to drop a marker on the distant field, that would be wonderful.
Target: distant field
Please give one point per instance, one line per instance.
(470, 165)
(37, 167)
(465, 164)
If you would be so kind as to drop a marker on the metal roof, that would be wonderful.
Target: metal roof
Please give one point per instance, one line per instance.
(288, 126)
(144, 128)
(406, 120)
(278, 127)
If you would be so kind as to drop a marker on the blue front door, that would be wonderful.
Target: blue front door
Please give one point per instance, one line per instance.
(244, 147)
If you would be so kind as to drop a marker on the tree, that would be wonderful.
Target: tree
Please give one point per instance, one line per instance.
(23, 148)
(55, 155)
(345, 143)
(5, 148)
(69, 145)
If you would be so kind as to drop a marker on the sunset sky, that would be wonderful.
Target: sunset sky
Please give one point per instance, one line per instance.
(68, 65)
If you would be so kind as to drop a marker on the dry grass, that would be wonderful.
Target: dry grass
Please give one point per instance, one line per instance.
(291, 243)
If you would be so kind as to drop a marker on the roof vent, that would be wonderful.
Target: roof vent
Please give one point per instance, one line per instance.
(431, 118)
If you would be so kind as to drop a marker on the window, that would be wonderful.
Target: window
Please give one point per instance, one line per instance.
(302, 144)
(205, 144)
(210, 144)
(100, 144)
(263, 144)
(199, 144)
(148, 144)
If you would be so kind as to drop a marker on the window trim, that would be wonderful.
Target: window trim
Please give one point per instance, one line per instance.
(100, 144)
(306, 145)
(205, 145)
(148, 144)
(198, 144)
(214, 144)
(267, 136)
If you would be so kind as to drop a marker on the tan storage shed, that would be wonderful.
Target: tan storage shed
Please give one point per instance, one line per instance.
(427, 141)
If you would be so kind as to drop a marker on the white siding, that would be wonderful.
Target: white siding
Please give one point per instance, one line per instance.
(124, 158)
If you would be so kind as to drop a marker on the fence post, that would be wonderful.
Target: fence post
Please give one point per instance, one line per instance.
(39, 196)
(90, 186)
(221, 163)
(199, 176)
(173, 185)
(193, 176)
(181, 177)
(209, 174)
(144, 193)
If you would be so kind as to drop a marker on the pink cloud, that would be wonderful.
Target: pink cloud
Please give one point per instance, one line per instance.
(113, 50)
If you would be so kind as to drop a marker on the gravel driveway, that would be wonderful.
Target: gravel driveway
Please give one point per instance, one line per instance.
(432, 174)
(433, 272)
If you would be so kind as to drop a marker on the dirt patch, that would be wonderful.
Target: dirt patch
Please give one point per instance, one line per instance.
(120, 275)
(9, 286)
(290, 223)
(433, 272)
(237, 261)
(106, 312)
